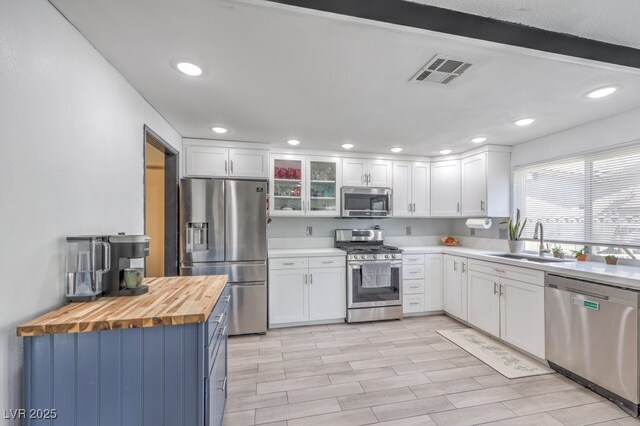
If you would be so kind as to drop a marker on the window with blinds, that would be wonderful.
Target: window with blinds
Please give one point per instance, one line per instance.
(590, 199)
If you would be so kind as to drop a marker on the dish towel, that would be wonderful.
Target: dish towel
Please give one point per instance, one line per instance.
(376, 275)
(384, 275)
(369, 275)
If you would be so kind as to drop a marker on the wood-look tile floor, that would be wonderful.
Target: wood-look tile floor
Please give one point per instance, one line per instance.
(392, 373)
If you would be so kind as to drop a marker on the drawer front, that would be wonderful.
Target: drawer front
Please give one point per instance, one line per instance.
(413, 287)
(531, 276)
(413, 259)
(413, 303)
(413, 272)
(289, 263)
(327, 262)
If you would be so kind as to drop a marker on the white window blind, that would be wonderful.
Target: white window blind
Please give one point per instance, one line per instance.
(591, 199)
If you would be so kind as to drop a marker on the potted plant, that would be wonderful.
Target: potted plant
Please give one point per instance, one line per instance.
(611, 259)
(515, 232)
(558, 252)
(580, 255)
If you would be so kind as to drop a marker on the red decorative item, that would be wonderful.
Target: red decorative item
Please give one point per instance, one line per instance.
(290, 173)
(298, 174)
(296, 191)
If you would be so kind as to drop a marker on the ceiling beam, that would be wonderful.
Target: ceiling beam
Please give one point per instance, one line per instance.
(448, 21)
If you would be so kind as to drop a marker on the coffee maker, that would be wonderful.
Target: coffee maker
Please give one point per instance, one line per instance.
(96, 265)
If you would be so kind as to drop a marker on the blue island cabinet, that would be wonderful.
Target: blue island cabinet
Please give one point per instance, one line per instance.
(171, 375)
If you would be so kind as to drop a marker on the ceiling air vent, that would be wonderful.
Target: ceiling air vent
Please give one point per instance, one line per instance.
(441, 70)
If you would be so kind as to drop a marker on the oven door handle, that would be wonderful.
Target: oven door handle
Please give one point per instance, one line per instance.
(359, 264)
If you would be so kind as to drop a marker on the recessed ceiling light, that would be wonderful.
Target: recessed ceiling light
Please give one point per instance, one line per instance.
(524, 121)
(347, 145)
(601, 93)
(445, 151)
(478, 140)
(189, 69)
(219, 130)
(396, 149)
(293, 142)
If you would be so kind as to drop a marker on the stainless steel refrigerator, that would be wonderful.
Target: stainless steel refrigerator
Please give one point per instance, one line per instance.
(223, 231)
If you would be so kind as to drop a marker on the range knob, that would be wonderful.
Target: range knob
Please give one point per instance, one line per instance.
(386, 256)
(355, 256)
(364, 256)
(393, 256)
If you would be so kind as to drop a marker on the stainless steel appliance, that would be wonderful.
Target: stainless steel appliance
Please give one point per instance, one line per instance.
(374, 275)
(223, 227)
(592, 336)
(96, 265)
(360, 201)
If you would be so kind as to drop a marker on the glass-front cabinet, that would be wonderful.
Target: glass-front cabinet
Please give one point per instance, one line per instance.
(287, 173)
(305, 186)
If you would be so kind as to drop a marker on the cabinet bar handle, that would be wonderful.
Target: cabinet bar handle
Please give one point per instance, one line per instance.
(501, 289)
(305, 279)
(414, 286)
(327, 262)
(482, 205)
(458, 208)
(463, 267)
(224, 330)
(224, 384)
(495, 288)
(310, 278)
(414, 303)
(413, 272)
(225, 167)
(502, 271)
(455, 266)
(288, 263)
(220, 317)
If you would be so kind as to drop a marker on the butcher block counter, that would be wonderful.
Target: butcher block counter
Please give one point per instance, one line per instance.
(155, 359)
(170, 301)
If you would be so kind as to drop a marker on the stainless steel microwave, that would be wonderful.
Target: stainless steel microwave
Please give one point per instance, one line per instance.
(358, 201)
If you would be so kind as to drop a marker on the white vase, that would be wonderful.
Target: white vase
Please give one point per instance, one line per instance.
(516, 246)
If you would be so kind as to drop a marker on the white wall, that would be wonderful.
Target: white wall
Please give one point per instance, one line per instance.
(71, 132)
(619, 129)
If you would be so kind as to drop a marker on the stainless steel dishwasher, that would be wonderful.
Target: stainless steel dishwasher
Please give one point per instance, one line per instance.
(591, 334)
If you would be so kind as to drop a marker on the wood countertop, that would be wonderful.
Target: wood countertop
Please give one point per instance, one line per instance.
(170, 301)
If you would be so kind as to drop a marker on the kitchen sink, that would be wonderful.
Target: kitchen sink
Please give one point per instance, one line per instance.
(527, 258)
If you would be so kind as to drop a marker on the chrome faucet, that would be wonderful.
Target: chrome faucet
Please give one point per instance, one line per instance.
(539, 228)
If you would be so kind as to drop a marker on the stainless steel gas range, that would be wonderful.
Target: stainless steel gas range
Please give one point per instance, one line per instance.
(374, 275)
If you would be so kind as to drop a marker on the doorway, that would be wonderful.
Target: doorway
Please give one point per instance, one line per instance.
(160, 205)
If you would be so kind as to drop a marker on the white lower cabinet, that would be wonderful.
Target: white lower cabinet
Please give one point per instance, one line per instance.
(484, 303)
(455, 286)
(422, 283)
(288, 295)
(327, 293)
(522, 315)
(300, 294)
(510, 309)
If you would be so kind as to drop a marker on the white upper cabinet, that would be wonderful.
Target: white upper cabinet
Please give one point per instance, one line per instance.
(213, 161)
(445, 188)
(380, 173)
(410, 189)
(420, 178)
(486, 184)
(402, 202)
(474, 185)
(323, 186)
(354, 171)
(365, 172)
(206, 161)
(248, 163)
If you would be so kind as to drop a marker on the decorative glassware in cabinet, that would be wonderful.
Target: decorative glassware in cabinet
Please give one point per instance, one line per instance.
(287, 183)
(322, 186)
